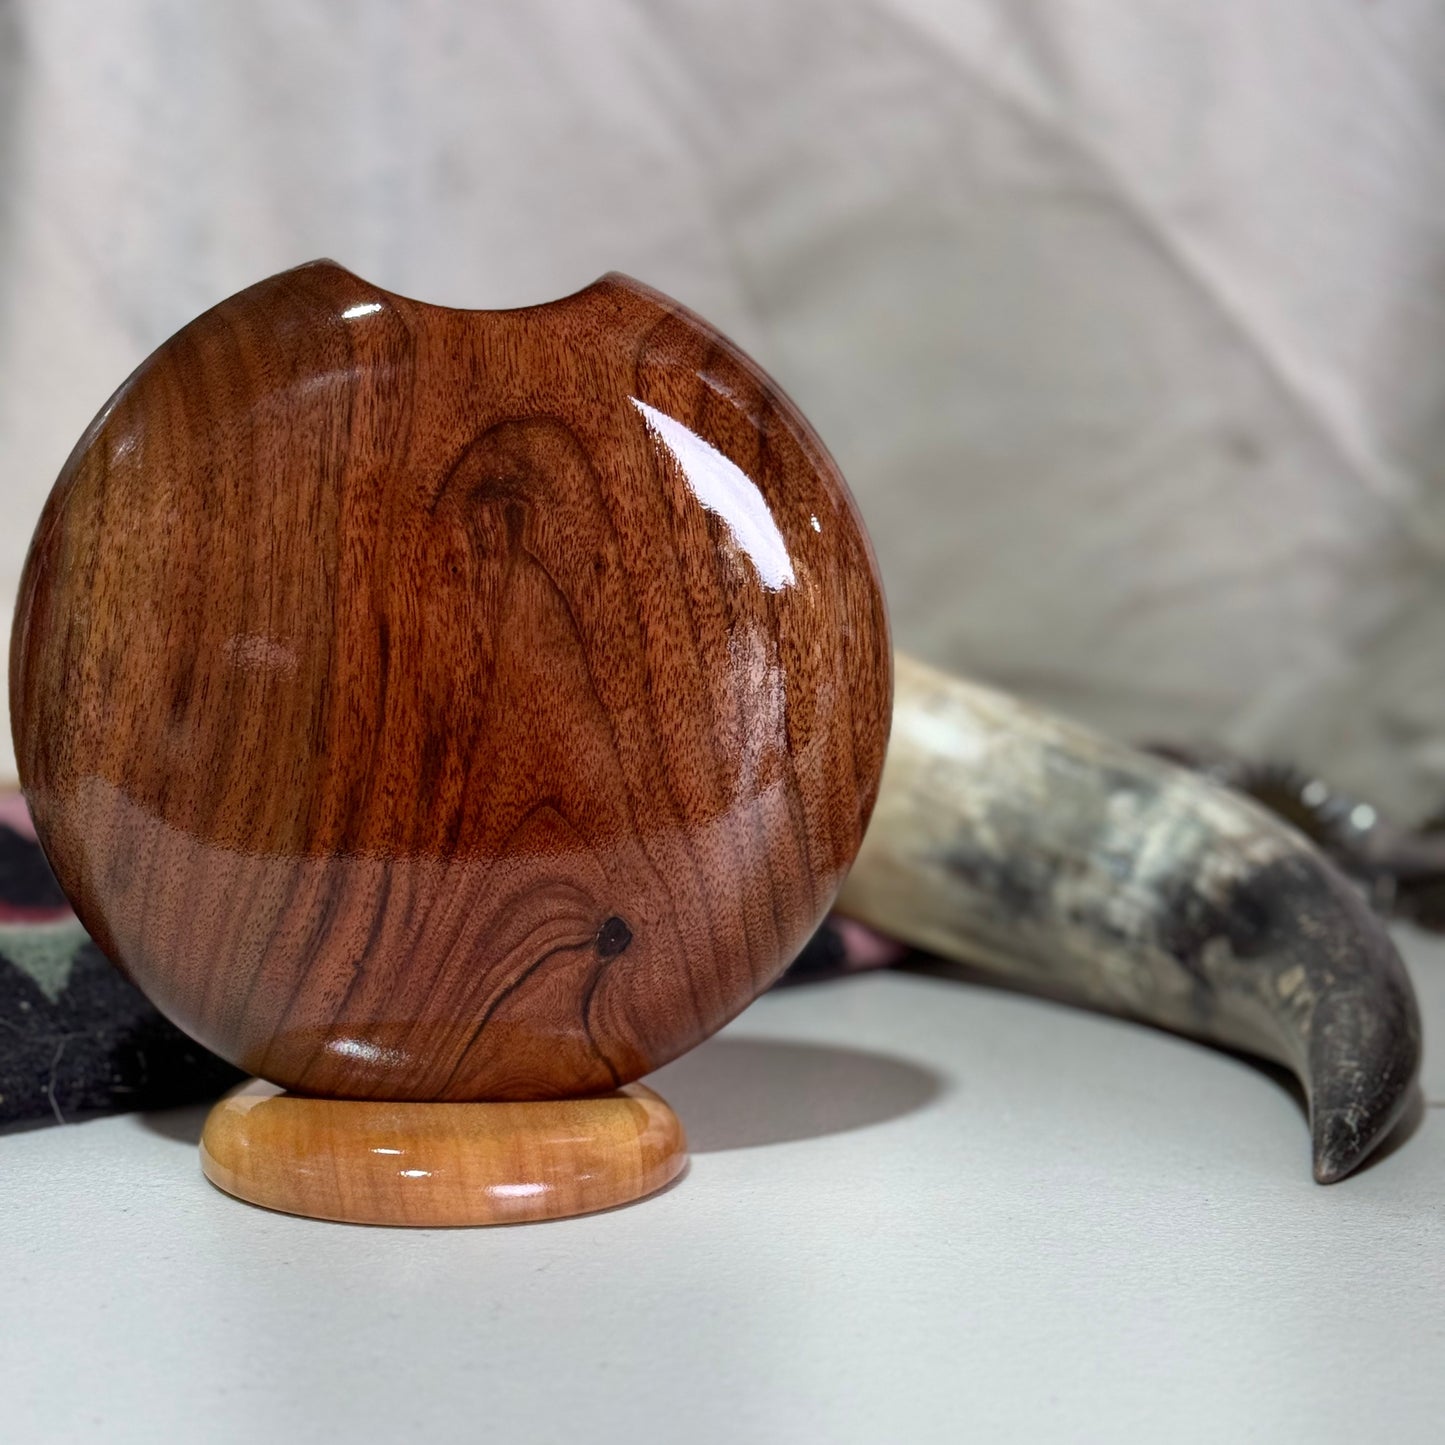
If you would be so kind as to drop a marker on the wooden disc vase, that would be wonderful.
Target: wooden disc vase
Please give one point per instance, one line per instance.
(429, 707)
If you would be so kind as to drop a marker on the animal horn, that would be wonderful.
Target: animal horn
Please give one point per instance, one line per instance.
(1039, 851)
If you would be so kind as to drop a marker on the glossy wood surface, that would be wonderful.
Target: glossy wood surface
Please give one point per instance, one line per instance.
(435, 704)
(368, 1162)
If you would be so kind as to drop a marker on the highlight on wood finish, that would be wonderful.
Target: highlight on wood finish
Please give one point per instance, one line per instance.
(436, 704)
(366, 1162)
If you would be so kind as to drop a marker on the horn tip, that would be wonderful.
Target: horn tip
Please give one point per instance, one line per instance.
(1337, 1153)
(1346, 1133)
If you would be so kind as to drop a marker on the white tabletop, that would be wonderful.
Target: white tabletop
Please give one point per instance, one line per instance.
(917, 1211)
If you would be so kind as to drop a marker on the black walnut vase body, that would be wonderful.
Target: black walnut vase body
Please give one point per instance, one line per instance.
(447, 705)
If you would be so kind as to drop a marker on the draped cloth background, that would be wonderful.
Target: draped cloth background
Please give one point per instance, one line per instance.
(1126, 323)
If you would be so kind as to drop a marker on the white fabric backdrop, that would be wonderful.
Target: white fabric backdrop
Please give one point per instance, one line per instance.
(1125, 322)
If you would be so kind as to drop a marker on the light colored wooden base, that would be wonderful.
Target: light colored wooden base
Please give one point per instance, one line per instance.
(440, 1164)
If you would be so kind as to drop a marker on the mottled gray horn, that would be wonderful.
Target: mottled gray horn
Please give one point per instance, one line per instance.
(1033, 848)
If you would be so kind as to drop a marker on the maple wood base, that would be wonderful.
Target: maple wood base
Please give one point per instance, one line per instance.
(365, 1162)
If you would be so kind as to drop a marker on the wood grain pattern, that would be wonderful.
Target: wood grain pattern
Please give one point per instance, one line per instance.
(368, 1162)
(434, 704)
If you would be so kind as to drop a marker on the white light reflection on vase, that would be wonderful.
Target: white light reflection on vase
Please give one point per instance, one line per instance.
(728, 493)
(365, 1052)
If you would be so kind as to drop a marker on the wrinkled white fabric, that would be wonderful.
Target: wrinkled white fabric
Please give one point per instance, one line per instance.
(1125, 322)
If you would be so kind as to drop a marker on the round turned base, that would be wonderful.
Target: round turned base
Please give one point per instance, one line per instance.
(366, 1162)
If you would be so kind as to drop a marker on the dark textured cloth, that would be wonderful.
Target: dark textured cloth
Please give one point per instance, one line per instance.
(75, 1038)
